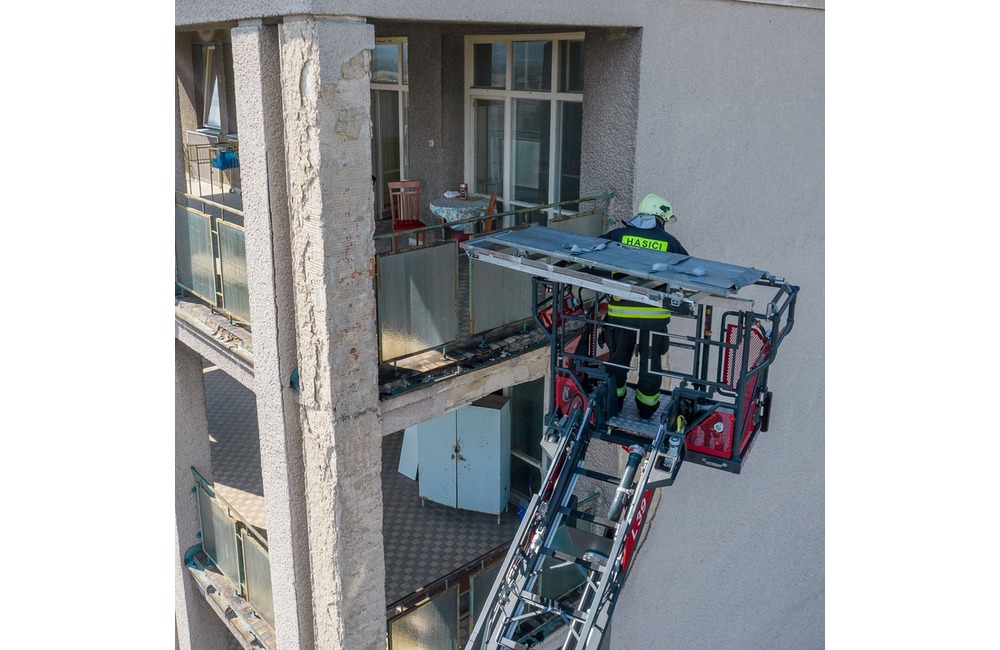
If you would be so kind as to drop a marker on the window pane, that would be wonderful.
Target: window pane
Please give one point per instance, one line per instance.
(212, 116)
(570, 134)
(489, 65)
(530, 164)
(571, 66)
(488, 145)
(532, 65)
(385, 66)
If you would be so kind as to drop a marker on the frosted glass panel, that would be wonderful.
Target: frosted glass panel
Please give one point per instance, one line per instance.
(417, 305)
(432, 626)
(498, 296)
(233, 251)
(193, 250)
(258, 573)
(591, 224)
(479, 592)
(218, 532)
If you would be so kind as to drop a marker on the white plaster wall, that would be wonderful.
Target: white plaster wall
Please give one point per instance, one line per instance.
(731, 131)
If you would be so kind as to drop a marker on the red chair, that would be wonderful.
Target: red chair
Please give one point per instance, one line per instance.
(404, 203)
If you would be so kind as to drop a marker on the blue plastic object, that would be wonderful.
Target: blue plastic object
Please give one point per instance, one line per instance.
(226, 160)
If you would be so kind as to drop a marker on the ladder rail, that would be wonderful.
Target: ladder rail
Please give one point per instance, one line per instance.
(521, 566)
(612, 578)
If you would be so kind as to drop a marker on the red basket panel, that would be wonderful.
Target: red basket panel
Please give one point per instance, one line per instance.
(568, 395)
(759, 349)
(713, 435)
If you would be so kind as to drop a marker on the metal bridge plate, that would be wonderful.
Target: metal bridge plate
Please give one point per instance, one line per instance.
(628, 420)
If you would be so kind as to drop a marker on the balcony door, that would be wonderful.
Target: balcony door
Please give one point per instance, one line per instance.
(390, 99)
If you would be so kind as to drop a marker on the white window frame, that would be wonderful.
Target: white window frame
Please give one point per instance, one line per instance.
(402, 88)
(210, 80)
(554, 96)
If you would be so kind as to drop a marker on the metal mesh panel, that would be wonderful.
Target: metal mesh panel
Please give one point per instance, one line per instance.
(193, 250)
(432, 626)
(417, 305)
(498, 296)
(233, 252)
(258, 574)
(218, 533)
(734, 359)
(713, 435)
(591, 225)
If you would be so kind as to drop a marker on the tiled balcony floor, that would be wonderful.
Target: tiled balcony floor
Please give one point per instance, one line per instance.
(422, 543)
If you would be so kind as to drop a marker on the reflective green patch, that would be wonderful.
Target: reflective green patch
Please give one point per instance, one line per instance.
(642, 242)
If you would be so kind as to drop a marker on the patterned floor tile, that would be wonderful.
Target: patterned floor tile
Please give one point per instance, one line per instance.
(423, 542)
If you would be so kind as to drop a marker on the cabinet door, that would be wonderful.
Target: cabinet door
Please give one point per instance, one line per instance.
(483, 472)
(436, 456)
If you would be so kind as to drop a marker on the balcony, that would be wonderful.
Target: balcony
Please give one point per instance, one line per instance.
(440, 562)
(430, 327)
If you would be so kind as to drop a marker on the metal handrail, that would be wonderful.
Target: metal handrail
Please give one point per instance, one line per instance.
(560, 216)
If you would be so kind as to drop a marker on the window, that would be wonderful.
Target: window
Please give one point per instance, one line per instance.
(524, 117)
(390, 99)
(211, 114)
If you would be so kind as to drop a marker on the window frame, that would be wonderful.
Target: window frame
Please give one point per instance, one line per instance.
(402, 88)
(554, 96)
(210, 79)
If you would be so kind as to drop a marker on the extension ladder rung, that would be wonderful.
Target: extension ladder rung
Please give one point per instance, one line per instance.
(598, 476)
(589, 518)
(569, 557)
(549, 604)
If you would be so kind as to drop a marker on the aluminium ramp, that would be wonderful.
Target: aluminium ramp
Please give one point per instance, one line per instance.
(641, 275)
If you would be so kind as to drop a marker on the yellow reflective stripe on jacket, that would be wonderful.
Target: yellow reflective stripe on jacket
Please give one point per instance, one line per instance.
(642, 242)
(629, 311)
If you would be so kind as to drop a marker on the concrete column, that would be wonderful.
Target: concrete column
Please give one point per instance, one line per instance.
(325, 94)
(269, 272)
(197, 625)
(185, 114)
(611, 80)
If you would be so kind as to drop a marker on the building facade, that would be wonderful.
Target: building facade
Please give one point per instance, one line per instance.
(297, 114)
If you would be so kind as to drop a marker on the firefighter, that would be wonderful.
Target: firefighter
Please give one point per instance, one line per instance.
(645, 230)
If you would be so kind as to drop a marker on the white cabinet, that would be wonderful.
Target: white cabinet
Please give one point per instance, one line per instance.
(463, 456)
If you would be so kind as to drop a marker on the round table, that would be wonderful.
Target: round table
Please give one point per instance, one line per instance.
(458, 208)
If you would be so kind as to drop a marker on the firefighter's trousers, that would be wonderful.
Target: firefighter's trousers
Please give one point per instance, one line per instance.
(650, 335)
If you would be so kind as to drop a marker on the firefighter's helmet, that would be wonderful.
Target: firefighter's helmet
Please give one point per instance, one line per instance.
(657, 206)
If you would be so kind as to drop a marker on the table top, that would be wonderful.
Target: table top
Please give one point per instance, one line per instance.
(459, 208)
(471, 204)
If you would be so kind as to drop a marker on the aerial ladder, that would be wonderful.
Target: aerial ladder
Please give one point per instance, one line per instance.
(727, 325)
